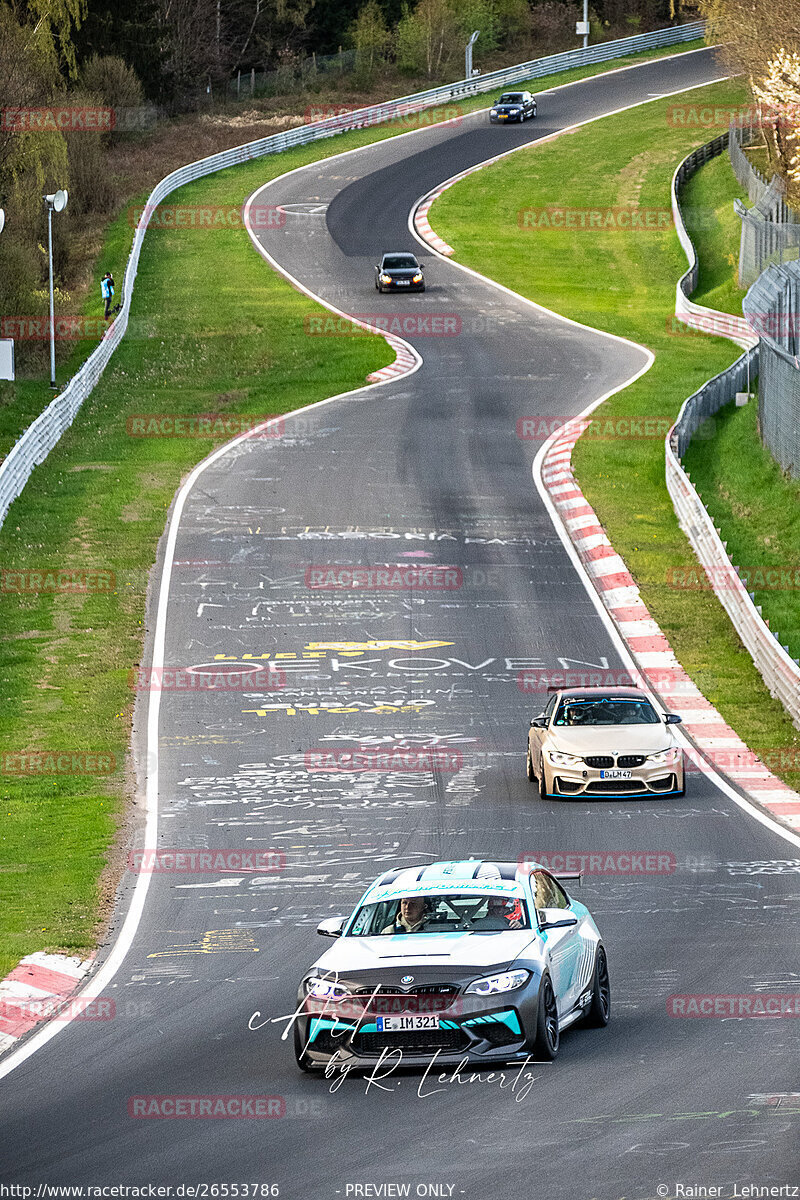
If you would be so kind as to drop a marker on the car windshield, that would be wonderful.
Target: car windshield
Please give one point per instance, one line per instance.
(458, 912)
(605, 710)
(510, 98)
(398, 262)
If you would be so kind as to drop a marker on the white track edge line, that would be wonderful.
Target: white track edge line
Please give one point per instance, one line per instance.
(133, 916)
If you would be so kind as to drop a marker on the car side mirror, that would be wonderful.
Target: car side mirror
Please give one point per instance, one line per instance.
(672, 719)
(539, 722)
(556, 918)
(331, 927)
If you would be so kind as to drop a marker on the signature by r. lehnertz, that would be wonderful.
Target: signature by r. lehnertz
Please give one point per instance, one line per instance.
(518, 1081)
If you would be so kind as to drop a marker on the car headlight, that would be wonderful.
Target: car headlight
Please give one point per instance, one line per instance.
(563, 760)
(417, 278)
(494, 112)
(513, 110)
(665, 756)
(494, 984)
(326, 989)
(385, 278)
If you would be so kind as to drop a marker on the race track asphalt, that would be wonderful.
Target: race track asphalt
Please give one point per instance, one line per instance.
(426, 470)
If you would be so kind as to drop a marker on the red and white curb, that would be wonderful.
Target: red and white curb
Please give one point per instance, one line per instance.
(718, 744)
(34, 990)
(404, 360)
(423, 225)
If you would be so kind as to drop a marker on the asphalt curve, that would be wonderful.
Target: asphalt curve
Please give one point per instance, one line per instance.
(426, 470)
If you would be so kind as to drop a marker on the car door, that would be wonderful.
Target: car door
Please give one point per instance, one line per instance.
(565, 948)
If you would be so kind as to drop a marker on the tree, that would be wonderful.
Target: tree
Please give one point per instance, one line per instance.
(427, 37)
(481, 15)
(751, 32)
(779, 93)
(370, 38)
(53, 24)
(128, 28)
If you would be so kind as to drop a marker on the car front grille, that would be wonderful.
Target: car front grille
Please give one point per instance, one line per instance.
(413, 1041)
(599, 761)
(630, 760)
(423, 999)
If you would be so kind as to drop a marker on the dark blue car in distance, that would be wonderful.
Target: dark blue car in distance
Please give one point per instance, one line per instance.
(512, 106)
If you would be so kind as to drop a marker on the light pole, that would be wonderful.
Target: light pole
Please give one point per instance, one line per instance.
(56, 202)
(468, 54)
(583, 26)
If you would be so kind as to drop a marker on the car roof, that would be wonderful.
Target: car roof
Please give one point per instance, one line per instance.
(597, 693)
(399, 254)
(471, 875)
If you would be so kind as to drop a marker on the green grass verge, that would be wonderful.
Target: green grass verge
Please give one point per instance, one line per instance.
(624, 283)
(757, 509)
(226, 334)
(710, 194)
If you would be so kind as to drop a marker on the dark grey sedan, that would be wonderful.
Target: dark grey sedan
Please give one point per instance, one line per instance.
(399, 272)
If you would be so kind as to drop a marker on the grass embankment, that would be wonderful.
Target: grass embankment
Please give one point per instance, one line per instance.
(715, 231)
(227, 336)
(624, 282)
(144, 159)
(744, 489)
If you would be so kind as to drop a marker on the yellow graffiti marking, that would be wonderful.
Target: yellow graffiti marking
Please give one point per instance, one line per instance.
(316, 710)
(344, 646)
(215, 941)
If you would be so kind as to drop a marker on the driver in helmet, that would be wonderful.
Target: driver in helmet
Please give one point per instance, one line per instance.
(500, 914)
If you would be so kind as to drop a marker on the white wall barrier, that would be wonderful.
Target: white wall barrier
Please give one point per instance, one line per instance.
(780, 672)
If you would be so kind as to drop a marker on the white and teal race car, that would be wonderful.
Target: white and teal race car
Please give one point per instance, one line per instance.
(484, 961)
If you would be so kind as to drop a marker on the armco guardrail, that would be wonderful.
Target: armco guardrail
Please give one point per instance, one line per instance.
(39, 438)
(779, 670)
(709, 320)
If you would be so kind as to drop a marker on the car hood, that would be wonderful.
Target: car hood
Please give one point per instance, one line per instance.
(429, 950)
(610, 739)
(507, 107)
(400, 272)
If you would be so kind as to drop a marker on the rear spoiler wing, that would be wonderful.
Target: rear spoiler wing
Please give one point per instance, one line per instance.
(569, 876)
